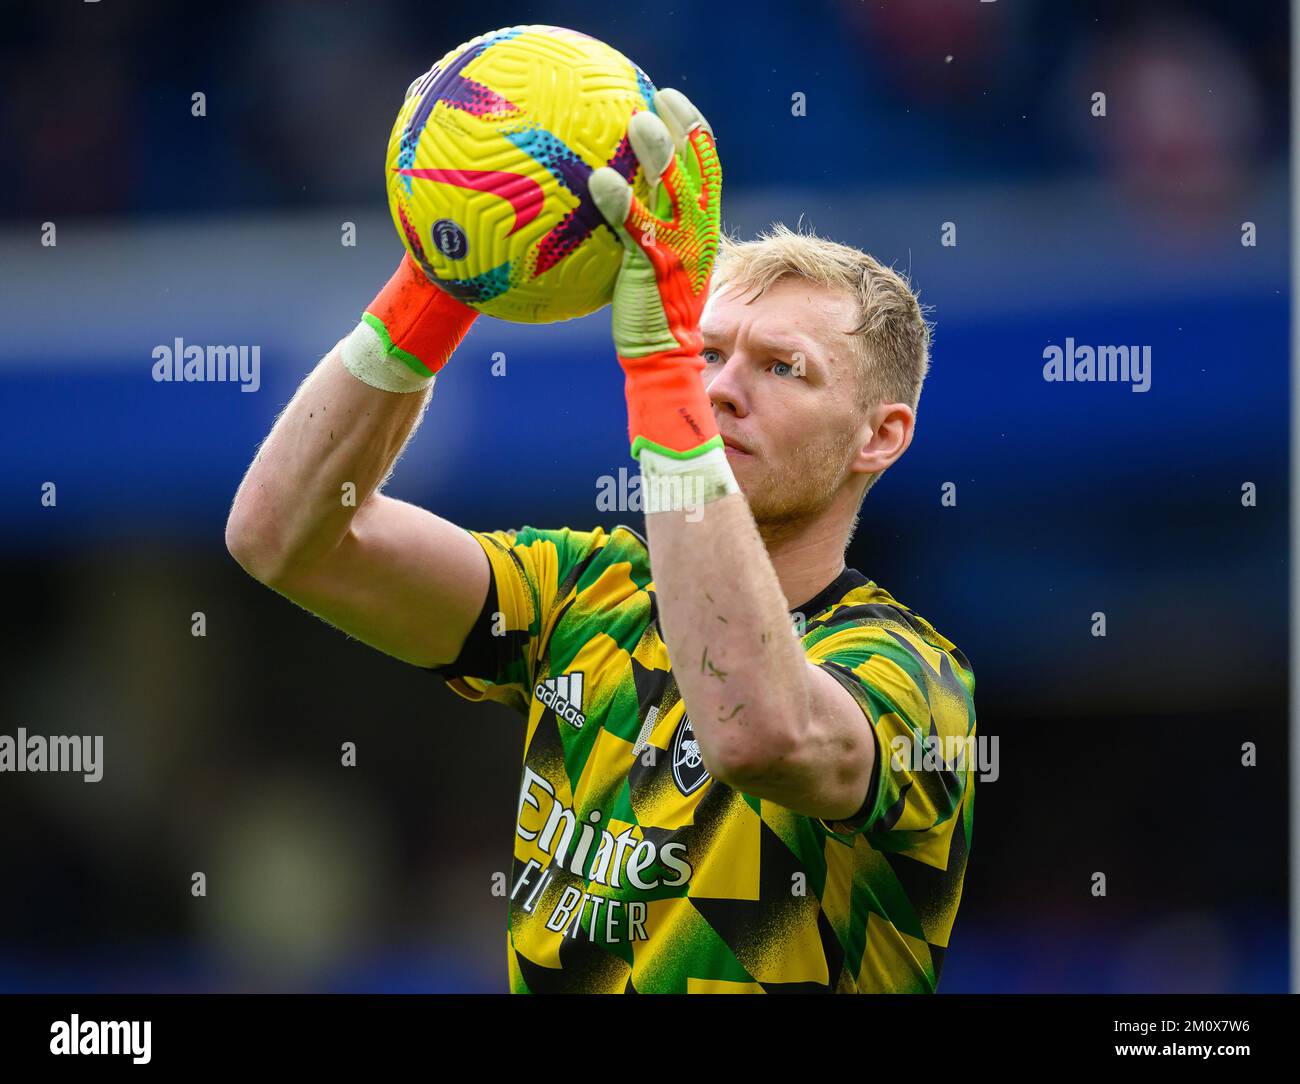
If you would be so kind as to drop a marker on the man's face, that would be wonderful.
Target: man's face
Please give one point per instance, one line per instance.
(782, 374)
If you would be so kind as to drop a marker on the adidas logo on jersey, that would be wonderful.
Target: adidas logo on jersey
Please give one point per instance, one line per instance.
(563, 694)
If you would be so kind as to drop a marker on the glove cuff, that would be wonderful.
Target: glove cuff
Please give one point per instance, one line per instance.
(408, 332)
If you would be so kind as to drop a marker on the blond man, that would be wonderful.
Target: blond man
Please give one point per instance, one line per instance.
(716, 794)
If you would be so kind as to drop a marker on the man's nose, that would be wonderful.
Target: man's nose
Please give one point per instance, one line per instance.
(725, 386)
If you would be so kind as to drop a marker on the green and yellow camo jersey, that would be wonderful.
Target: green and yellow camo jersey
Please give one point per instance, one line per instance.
(634, 870)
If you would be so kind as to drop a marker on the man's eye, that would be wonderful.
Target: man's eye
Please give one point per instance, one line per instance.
(705, 354)
(787, 366)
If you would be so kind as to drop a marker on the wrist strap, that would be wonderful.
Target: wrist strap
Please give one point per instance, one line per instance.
(367, 357)
(671, 484)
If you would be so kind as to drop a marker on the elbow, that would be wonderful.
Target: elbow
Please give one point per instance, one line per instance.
(764, 746)
(743, 772)
(728, 773)
(748, 763)
(252, 547)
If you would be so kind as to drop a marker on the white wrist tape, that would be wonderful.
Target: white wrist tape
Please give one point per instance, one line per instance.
(363, 355)
(675, 485)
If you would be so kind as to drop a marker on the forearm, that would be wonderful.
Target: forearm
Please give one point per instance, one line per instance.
(726, 623)
(736, 662)
(295, 502)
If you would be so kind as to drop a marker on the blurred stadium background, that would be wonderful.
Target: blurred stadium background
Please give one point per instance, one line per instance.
(1120, 755)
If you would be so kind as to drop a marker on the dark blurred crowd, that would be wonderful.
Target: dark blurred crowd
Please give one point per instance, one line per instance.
(96, 98)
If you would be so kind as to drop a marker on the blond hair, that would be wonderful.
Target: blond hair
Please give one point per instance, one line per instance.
(892, 337)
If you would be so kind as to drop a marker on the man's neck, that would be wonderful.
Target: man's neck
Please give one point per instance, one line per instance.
(806, 556)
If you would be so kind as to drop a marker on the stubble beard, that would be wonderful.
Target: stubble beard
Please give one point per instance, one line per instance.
(787, 496)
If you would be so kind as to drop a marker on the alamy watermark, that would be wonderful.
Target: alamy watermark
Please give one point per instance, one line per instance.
(184, 364)
(56, 753)
(1099, 364)
(114, 1037)
(947, 753)
(628, 492)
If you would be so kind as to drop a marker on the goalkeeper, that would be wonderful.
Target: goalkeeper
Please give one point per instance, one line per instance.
(744, 763)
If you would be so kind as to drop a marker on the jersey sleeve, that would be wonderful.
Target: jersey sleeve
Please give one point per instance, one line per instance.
(530, 571)
(916, 691)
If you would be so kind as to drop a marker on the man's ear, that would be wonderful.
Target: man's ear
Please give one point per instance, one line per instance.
(890, 435)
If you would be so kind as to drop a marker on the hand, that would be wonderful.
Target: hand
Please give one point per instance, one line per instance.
(664, 279)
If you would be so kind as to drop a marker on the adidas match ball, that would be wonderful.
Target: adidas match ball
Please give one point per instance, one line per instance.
(488, 164)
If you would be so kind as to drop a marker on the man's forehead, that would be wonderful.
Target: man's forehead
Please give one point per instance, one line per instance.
(782, 314)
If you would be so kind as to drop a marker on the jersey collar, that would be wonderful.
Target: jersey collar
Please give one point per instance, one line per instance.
(848, 579)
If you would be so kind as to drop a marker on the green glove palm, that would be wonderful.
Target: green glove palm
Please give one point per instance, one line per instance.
(664, 280)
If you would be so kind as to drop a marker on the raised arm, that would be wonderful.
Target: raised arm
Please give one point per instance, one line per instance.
(395, 576)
